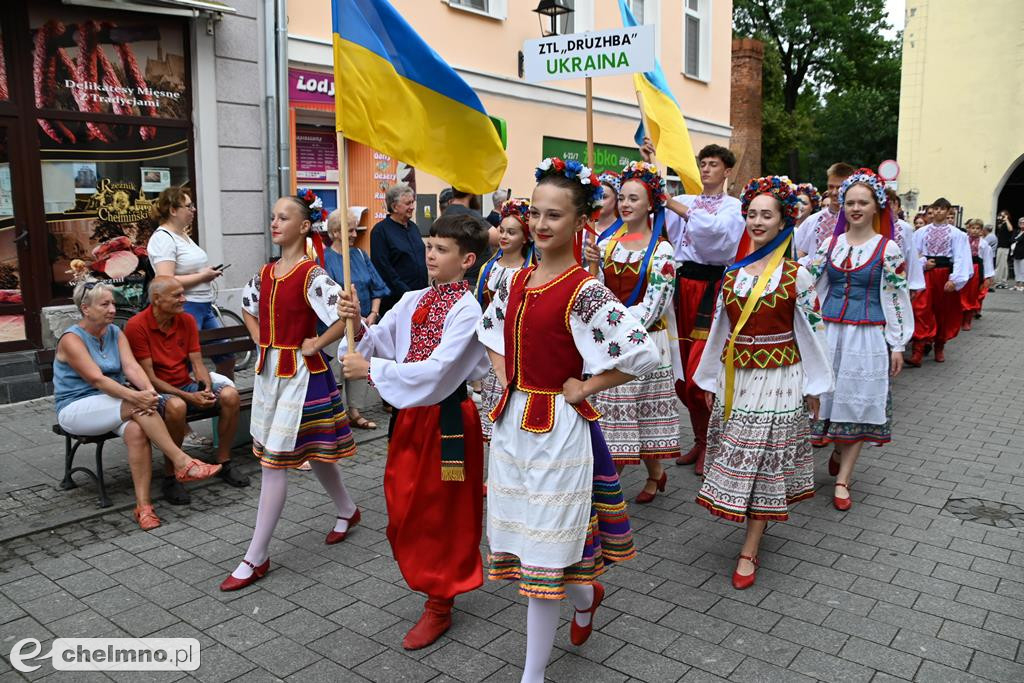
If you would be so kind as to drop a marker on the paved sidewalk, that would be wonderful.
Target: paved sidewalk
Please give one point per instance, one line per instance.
(899, 588)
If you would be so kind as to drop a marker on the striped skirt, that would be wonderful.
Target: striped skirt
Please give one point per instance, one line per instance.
(324, 432)
(608, 537)
(759, 462)
(640, 419)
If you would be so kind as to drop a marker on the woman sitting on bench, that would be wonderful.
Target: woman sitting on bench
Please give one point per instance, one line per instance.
(92, 397)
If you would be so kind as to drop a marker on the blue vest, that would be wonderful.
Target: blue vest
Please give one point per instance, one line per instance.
(853, 295)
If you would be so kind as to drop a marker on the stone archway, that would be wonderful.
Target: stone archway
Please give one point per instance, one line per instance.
(1009, 194)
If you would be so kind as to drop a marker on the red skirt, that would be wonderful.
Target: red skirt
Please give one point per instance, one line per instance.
(435, 526)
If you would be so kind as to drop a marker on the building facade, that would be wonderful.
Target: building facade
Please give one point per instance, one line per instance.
(481, 39)
(961, 104)
(102, 105)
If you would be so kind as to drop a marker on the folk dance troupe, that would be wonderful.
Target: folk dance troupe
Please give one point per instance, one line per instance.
(778, 320)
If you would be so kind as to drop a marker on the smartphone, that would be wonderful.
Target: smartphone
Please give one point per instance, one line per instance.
(222, 267)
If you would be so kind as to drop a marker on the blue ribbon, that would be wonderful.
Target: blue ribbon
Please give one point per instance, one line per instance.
(659, 219)
(485, 272)
(610, 230)
(763, 251)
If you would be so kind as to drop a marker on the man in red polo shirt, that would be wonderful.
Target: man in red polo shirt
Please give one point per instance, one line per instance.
(165, 341)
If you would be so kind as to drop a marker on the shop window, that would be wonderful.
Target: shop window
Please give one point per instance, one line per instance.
(12, 318)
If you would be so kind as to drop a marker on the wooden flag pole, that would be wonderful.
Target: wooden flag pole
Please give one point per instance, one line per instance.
(350, 328)
(643, 115)
(587, 238)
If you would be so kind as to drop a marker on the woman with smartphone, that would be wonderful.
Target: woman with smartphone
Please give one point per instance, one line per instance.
(173, 252)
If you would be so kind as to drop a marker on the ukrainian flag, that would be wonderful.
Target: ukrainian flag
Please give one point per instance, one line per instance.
(664, 115)
(396, 95)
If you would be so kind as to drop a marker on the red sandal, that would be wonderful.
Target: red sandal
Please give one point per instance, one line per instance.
(842, 504)
(744, 581)
(579, 634)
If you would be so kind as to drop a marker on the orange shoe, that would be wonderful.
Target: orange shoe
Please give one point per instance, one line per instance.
(842, 504)
(433, 623)
(579, 634)
(644, 497)
(146, 517)
(194, 470)
(233, 584)
(339, 536)
(744, 581)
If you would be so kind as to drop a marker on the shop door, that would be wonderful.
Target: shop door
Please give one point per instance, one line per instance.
(17, 295)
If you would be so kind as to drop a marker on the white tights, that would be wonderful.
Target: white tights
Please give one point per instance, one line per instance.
(541, 624)
(273, 492)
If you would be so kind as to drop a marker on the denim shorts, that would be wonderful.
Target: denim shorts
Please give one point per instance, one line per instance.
(219, 382)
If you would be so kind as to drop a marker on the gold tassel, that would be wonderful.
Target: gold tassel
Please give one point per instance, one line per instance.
(453, 473)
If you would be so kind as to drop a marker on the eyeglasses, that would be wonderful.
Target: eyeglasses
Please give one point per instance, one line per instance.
(190, 207)
(89, 285)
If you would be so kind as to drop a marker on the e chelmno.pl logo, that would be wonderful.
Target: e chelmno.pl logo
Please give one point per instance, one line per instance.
(109, 654)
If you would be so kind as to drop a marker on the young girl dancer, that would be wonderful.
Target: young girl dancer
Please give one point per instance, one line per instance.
(608, 220)
(810, 201)
(868, 321)
(297, 414)
(555, 512)
(515, 252)
(759, 459)
(639, 419)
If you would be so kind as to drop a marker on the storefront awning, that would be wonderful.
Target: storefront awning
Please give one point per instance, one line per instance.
(187, 8)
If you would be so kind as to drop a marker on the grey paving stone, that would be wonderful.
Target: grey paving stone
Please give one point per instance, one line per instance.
(374, 591)
(301, 625)
(1007, 626)
(463, 662)
(85, 624)
(825, 667)
(261, 606)
(841, 599)
(744, 615)
(29, 588)
(806, 610)
(925, 584)
(346, 648)
(931, 672)
(933, 649)
(241, 634)
(845, 546)
(703, 655)
(699, 676)
(324, 671)
(756, 671)
(985, 550)
(966, 577)
(810, 635)
(976, 638)
(702, 626)
(475, 632)
(862, 627)
(391, 666)
(880, 657)
(281, 656)
(638, 604)
(996, 668)
(948, 609)
(758, 644)
(646, 666)
(204, 612)
(86, 582)
(361, 618)
(53, 606)
(60, 567)
(639, 632)
(990, 601)
(219, 664)
(144, 619)
(321, 599)
(901, 617)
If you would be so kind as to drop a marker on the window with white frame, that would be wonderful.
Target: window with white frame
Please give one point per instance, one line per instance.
(697, 39)
(567, 22)
(647, 12)
(637, 8)
(497, 9)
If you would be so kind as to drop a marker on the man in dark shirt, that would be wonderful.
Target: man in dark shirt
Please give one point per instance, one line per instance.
(1004, 237)
(396, 247)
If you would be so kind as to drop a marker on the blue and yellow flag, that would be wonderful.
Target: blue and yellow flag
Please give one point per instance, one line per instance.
(668, 126)
(396, 95)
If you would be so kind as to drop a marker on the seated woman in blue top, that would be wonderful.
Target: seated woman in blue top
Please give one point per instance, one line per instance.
(370, 287)
(92, 396)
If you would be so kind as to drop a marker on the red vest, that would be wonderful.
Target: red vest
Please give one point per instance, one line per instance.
(767, 340)
(621, 278)
(540, 353)
(286, 318)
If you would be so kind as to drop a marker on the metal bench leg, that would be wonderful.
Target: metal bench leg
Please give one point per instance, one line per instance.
(104, 501)
(69, 459)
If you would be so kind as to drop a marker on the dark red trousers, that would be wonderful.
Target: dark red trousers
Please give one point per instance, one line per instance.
(692, 339)
(434, 526)
(937, 313)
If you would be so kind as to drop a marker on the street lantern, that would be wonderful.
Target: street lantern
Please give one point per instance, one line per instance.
(553, 9)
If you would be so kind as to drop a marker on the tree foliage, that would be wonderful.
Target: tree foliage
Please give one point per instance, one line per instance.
(831, 82)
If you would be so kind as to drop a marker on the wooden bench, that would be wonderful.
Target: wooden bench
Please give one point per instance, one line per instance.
(214, 342)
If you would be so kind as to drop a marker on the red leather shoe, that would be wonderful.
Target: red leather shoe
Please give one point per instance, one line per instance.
(579, 634)
(644, 497)
(842, 504)
(698, 469)
(940, 353)
(690, 456)
(339, 536)
(917, 355)
(833, 464)
(743, 581)
(433, 623)
(233, 584)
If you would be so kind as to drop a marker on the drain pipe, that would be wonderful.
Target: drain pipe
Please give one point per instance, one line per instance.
(278, 144)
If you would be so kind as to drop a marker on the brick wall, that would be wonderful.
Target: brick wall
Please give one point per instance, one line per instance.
(745, 110)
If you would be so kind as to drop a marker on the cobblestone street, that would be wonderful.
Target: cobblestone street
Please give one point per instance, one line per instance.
(899, 588)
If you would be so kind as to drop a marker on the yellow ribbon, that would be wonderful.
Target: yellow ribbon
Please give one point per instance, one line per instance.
(774, 261)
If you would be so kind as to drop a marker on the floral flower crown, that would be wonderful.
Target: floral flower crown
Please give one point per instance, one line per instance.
(650, 176)
(573, 170)
(812, 193)
(869, 178)
(780, 187)
(611, 179)
(317, 212)
(520, 210)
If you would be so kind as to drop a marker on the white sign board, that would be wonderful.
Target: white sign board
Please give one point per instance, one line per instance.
(595, 53)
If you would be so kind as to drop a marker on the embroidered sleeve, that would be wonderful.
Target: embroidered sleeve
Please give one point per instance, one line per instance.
(251, 296)
(322, 294)
(809, 331)
(608, 336)
(491, 328)
(817, 262)
(661, 285)
(895, 298)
